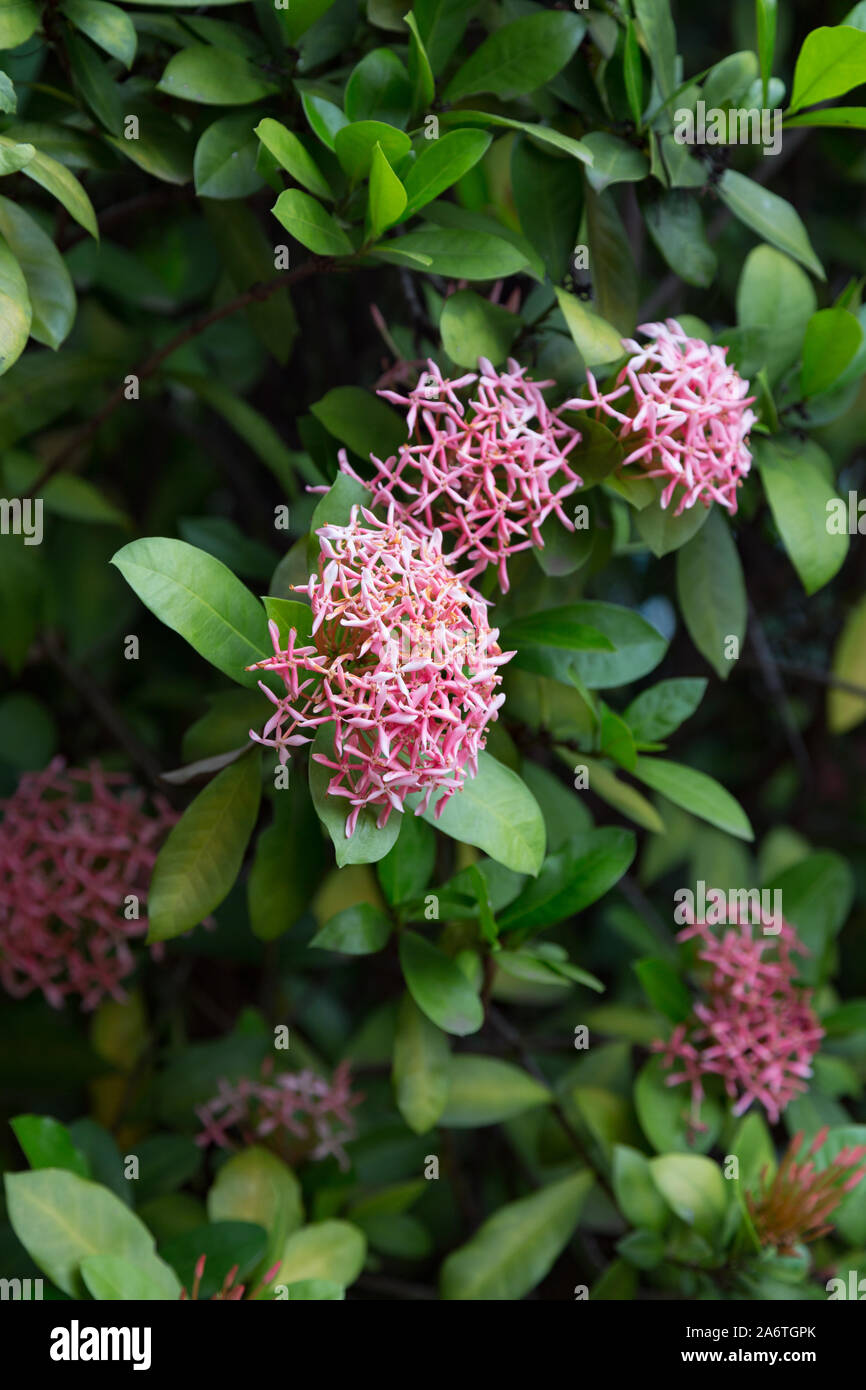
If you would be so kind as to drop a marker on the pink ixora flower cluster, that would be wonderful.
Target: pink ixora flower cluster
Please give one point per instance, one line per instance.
(755, 1027)
(487, 477)
(683, 415)
(797, 1204)
(288, 1105)
(405, 667)
(74, 845)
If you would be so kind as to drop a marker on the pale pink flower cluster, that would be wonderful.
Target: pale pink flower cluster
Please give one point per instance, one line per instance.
(405, 667)
(683, 415)
(73, 846)
(310, 1109)
(755, 1027)
(487, 478)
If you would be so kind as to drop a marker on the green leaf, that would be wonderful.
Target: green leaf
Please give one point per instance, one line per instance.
(225, 158)
(420, 72)
(93, 80)
(214, 77)
(14, 157)
(472, 327)
(405, 870)
(697, 793)
(59, 182)
(15, 309)
(486, 1091)
(845, 709)
(362, 421)
(622, 796)
(663, 530)
(548, 135)
(549, 202)
(556, 627)
(519, 57)
(657, 27)
(664, 988)
(440, 164)
(666, 1113)
(766, 15)
(774, 219)
(18, 20)
(660, 710)
(459, 253)
(60, 1218)
(845, 117)
(356, 931)
(775, 296)
(588, 866)
(495, 811)
(367, 843)
(310, 224)
(613, 161)
(112, 1278)
(831, 62)
(849, 1218)
(257, 1186)
(596, 340)
(817, 893)
(200, 598)
(638, 646)
(712, 593)
(354, 145)
(107, 25)
(48, 1144)
(227, 1245)
(324, 118)
(202, 856)
(387, 196)
(422, 1067)
(441, 24)
(800, 499)
(332, 1250)
(293, 156)
(637, 1196)
(298, 18)
(49, 286)
(675, 223)
(277, 895)
(694, 1188)
(439, 987)
(833, 339)
(316, 1290)
(518, 1245)
(633, 73)
(379, 89)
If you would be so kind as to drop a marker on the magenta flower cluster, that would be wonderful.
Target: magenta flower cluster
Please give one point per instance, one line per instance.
(755, 1026)
(287, 1105)
(487, 477)
(74, 844)
(683, 415)
(404, 665)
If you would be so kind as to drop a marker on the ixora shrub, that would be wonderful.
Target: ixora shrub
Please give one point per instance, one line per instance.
(432, 641)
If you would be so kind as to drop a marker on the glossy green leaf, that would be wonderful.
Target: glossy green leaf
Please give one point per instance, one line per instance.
(487, 1091)
(310, 224)
(257, 1186)
(200, 598)
(113, 1278)
(107, 25)
(332, 1250)
(472, 327)
(356, 931)
(225, 158)
(421, 1067)
(387, 198)
(439, 987)
(800, 499)
(49, 286)
(595, 339)
(293, 156)
(15, 309)
(367, 843)
(588, 865)
(660, 710)
(495, 811)
(833, 338)
(774, 219)
(214, 77)
(518, 1245)
(48, 1144)
(712, 593)
(697, 793)
(202, 856)
(441, 163)
(831, 62)
(519, 57)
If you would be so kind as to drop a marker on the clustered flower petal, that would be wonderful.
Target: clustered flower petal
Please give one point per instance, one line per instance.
(316, 1112)
(796, 1205)
(487, 479)
(683, 415)
(405, 667)
(73, 845)
(755, 1027)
